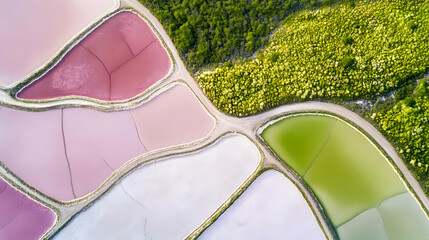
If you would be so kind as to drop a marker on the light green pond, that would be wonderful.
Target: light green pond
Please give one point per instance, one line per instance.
(345, 171)
(308, 136)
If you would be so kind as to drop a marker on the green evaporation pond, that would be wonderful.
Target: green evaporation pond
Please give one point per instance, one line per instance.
(345, 171)
(308, 135)
(350, 175)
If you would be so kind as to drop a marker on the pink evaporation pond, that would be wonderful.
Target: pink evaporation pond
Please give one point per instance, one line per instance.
(68, 153)
(172, 118)
(44, 27)
(98, 143)
(22, 217)
(119, 60)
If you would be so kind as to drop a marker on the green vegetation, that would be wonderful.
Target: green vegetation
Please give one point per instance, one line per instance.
(405, 122)
(343, 52)
(211, 32)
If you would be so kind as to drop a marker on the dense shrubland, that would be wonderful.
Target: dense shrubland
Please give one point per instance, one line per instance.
(342, 52)
(405, 121)
(210, 32)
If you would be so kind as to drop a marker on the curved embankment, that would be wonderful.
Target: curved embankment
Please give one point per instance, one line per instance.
(361, 192)
(19, 212)
(118, 60)
(42, 32)
(68, 153)
(170, 198)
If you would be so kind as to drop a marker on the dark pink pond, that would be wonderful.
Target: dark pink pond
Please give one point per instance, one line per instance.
(68, 153)
(118, 60)
(21, 217)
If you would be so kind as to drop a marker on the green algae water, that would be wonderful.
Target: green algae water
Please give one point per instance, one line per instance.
(307, 134)
(346, 172)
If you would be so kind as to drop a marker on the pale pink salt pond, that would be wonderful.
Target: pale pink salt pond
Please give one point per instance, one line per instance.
(22, 217)
(45, 26)
(31, 146)
(97, 144)
(119, 60)
(172, 118)
(69, 153)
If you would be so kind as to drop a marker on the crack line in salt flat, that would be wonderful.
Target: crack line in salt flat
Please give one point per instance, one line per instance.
(8, 222)
(395, 195)
(352, 218)
(105, 68)
(131, 197)
(145, 229)
(379, 213)
(65, 152)
(133, 57)
(320, 150)
(137, 131)
(128, 46)
(382, 223)
(108, 165)
(154, 40)
(4, 190)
